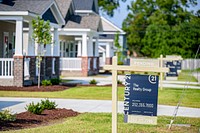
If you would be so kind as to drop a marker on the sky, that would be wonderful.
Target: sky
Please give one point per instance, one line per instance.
(121, 13)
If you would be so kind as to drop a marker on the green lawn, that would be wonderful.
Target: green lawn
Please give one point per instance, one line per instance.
(186, 76)
(101, 123)
(167, 96)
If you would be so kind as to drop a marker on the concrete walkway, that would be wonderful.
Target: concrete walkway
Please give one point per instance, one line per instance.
(17, 105)
(107, 79)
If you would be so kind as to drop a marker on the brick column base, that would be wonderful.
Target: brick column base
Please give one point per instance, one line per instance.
(18, 71)
(108, 60)
(84, 66)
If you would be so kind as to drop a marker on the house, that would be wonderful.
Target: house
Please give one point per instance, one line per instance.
(18, 51)
(85, 36)
(75, 26)
(106, 41)
(79, 38)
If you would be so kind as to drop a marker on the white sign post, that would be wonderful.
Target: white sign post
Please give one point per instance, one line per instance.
(114, 68)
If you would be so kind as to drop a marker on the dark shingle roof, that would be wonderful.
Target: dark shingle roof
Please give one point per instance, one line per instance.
(33, 6)
(83, 4)
(64, 6)
(83, 22)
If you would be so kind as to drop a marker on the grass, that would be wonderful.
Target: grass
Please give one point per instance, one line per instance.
(186, 76)
(101, 123)
(168, 96)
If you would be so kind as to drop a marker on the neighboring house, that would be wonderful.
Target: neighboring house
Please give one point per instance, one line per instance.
(106, 41)
(79, 37)
(18, 51)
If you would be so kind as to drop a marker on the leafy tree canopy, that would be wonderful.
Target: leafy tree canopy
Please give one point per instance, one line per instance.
(165, 27)
(109, 6)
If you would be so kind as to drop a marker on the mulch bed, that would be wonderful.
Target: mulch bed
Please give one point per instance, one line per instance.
(30, 120)
(35, 88)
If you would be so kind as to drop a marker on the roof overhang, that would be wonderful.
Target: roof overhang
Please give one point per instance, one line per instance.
(74, 31)
(117, 29)
(56, 12)
(12, 15)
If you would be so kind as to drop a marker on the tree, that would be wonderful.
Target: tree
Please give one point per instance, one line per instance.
(42, 37)
(119, 49)
(109, 6)
(162, 27)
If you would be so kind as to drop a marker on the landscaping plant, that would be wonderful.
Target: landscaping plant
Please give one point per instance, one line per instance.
(55, 81)
(93, 81)
(6, 115)
(47, 104)
(46, 82)
(34, 108)
(42, 36)
(40, 106)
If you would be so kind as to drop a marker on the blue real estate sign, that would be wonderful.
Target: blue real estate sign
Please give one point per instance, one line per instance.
(179, 64)
(172, 65)
(141, 95)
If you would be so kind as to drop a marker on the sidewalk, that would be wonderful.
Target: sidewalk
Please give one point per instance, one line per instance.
(17, 105)
(107, 79)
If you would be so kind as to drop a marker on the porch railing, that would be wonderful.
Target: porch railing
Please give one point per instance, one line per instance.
(70, 64)
(6, 67)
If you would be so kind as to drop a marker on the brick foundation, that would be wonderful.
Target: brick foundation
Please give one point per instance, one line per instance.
(84, 66)
(108, 60)
(18, 71)
(46, 68)
(92, 70)
(6, 82)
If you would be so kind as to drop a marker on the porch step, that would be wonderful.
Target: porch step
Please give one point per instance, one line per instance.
(28, 83)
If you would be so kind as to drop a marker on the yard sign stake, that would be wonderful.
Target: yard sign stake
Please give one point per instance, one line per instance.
(114, 68)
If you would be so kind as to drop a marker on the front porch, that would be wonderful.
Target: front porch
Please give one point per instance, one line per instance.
(79, 53)
(6, 71)
(78, 66)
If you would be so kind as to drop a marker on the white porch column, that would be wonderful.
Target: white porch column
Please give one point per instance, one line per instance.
(62, 47)
(90, 46)
(111, 49)
(79, 49)
(108, 50)
(52, 45)
(19, 38)
(31, 43)
(56, 50)
(84, 45)
(97, 48)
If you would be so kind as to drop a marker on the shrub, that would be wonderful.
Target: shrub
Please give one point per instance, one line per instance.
(46, 104)
(93, 81)
(120, 63)
(119, 82)
(40, 106)
(46, 82)
(34, 108)
(55, 81)
(7, 116)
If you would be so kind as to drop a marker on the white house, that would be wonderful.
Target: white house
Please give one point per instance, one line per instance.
(18, 51)
(106, 41)
(79, 38)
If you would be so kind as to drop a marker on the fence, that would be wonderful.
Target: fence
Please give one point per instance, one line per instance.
(70, 64)
(190, 64)
(6, 67)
